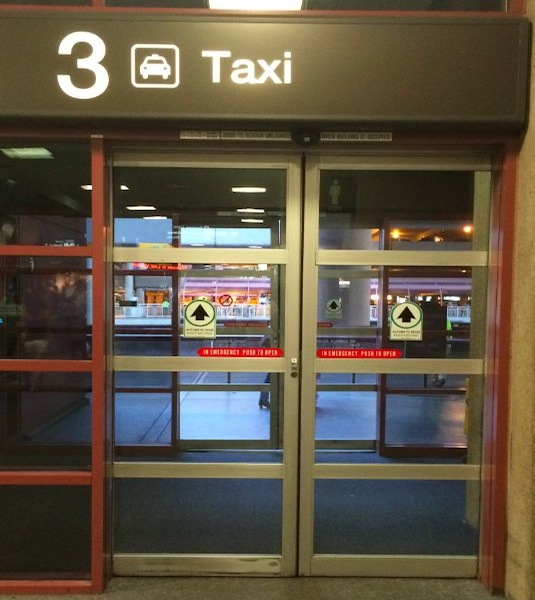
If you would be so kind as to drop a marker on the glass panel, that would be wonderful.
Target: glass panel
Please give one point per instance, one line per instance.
(345, 414)
(187, 207)
(212, 407)
(350, 309)
(396, 517)
(45, 307)
(403, 210)
(150, 305)
(45, 530)
(42, 200)
(198, 516)
(45, 419)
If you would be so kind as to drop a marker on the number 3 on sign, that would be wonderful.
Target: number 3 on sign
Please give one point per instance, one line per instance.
(90, 63)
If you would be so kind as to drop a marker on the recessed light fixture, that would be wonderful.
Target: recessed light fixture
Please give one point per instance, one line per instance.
(27, 153)
(255, 4)
(88, 187)
(252, 220)
(259, 211)
(249, 189)
(140, 207)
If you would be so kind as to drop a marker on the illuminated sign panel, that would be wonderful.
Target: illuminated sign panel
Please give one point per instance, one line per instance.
(463, 72)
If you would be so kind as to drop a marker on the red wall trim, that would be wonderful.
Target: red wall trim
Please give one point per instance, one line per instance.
(37, 364)
(496, 417)
(98, 363)
(47, 587)
(45, 478)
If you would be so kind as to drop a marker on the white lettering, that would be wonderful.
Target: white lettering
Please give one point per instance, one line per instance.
(287, 67)
(216, 56)
(269, 71)
(243, 71)
(90, 63)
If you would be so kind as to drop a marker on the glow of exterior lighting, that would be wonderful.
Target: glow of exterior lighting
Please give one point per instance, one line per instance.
(255, 4)
(395, 233)
(252, 220)
(389, 297)
(437, 239)
(244, 189)
(468, 228)
(251, 211)
(140, 207)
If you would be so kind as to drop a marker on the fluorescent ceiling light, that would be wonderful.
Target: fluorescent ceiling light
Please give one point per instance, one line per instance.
(156, 218)
(244, 189)
(259, 211)
(255, 4)
(140, 207)
(252, 220)
(88, 187)
(33, 153)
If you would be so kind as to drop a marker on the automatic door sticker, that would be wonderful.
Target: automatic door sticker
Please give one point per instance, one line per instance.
(333, 308)
(155, 65)
(200, 320)
(406, 322)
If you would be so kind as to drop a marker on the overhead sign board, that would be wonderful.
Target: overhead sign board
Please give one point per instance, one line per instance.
(406, 322)
(407, 71)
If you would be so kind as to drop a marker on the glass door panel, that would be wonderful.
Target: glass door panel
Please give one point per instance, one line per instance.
(205, 330)
(388, 423)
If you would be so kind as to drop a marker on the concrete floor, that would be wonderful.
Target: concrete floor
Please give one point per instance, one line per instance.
(318, 588)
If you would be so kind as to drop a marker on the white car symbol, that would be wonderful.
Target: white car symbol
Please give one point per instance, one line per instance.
(155, 65)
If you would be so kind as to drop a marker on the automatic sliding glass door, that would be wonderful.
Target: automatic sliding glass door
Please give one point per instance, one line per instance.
(298, 397)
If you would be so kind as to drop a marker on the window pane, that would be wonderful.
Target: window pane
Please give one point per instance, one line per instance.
(351, 309)
(45, 311)
(396, 517)
(46, 530)
(42, 200)
(404, 210)
(185, 207)
(150, 304)
(45, 419)
(198, 516)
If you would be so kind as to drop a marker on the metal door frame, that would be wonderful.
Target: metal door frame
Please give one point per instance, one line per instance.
(289, 257)
(310, 471)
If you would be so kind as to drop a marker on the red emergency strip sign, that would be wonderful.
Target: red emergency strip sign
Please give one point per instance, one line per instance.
(241, 352)
(358, 353)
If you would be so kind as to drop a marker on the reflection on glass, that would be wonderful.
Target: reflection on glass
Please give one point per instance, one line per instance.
(45, 409)
(396, 517)
(42, 199)
(150, 300)
(45, 308)
(354, 305)
(346, 414)
(188, 207)
(400, 210)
